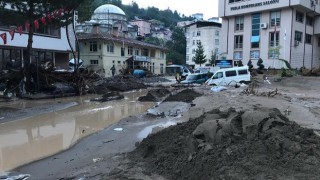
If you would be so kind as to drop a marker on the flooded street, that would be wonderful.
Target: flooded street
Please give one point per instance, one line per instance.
(30, 138)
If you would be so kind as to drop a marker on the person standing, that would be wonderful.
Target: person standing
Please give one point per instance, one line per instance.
(113, 70)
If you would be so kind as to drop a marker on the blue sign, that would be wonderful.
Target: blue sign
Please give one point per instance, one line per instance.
(224, 63)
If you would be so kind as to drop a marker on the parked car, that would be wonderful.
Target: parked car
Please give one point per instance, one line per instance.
(174, 69)
(197, 78)
(230, 76)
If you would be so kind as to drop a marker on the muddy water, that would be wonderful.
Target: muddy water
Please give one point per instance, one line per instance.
(29, 139)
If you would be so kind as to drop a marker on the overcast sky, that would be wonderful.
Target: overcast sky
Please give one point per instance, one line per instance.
(209, 8)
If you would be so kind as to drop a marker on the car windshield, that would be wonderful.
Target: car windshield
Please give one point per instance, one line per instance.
(192, 77)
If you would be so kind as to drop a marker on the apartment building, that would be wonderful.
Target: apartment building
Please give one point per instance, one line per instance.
(204, 32)
(272, 30)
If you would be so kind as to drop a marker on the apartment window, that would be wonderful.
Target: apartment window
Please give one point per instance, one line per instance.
(255, 54)
(122, 51)
(193, 51)
(110, 47)
(93, 46)
(274, 39)
(239, 23)
(198, 33)
(130, 50)
(309, 21)
(193, 34)
(194, 42)
(308, 38)
(299, 16)
(255, 32)
(153, 53)
(237, 55)
(198, 42)
(217, 33)
(216, 42)
(238, 42)
(275, 18)
(298, 36)
(94, 62)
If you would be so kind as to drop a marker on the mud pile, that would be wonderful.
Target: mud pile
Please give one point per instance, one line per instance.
(155, 95)
(256, 144)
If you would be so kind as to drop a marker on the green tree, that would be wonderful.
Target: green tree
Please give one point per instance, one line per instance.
(177, 47)
(199, 57)
(213, 59)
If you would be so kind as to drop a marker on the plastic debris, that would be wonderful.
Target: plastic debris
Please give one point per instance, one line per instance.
(218, 88)
(118, 129)
(97, 159)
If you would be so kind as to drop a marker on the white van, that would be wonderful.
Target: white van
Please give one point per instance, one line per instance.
(230, 76)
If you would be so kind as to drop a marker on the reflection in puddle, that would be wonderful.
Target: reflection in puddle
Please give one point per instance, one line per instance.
(23, 141)
(148, 130)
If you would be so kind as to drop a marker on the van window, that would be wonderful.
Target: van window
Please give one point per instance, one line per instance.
(217, 75)
(241, 72)
(231, 73)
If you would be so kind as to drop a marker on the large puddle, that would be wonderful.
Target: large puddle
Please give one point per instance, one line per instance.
(26, 140)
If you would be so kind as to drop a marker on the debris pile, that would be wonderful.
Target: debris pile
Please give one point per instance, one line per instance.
(155, 95)
(255, 144)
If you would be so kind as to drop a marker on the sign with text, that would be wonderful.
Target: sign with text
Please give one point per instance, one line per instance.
(224, 63)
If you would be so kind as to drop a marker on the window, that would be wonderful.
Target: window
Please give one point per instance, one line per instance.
(308, 38)
(110, 48)
(237, 55)
(122, 51)
(232, 1)
(198, 33)
(299, 16)
(94, 62)
(162, 54)
(217, 33)
(239, 23)
(193, 34)
(194, 42)
(273, 39)
(255, 54)
(145, 52)
(298, 36)
(275, 18)
(193, 51)
(255, 32)
(93, 46)
(309, 20)
(130, 50)
(153, 53)
(198, 42)
(242, 72)
(231, 73)
(238, 42)
(136, 52)
(216, 42)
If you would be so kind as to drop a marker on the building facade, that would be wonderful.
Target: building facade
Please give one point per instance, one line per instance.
(49, 45)
(106, 43)
(273, 30)
(204, 32)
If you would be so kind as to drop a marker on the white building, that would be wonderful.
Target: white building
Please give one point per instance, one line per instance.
(107, 42)
(271, 30)
(204, 32)
(49, 44)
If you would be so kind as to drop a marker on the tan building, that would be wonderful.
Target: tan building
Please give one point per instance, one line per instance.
(204, 32)
(144, 26)
(271, 30)
(108, 39)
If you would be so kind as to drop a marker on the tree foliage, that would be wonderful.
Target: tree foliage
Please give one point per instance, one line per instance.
(177, 47)
(213, 59)
(199, 57)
